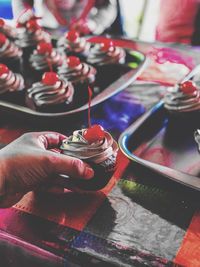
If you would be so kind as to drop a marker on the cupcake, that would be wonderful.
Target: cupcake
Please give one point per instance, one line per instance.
(73, 44)
(44, 57)
(10, 53)
(29, 36)
(8, 30)
(105, 54)
(96, 147)
(76, 71)
(11, 85)
(51, 94)
(183, 98)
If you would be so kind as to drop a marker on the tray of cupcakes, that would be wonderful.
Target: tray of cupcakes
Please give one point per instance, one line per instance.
(44, 78)
(166, 139)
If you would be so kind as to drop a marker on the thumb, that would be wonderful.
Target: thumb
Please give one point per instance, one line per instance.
(73, 167)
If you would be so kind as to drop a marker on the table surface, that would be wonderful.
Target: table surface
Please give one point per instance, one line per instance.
(134, 221)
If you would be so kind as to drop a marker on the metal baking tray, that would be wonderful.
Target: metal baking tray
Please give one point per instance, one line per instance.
(125, 74)
(173, 135)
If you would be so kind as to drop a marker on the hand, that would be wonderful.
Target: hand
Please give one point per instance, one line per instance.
(28, 163)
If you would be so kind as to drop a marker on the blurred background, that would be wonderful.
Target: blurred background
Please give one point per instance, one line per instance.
(138, 17)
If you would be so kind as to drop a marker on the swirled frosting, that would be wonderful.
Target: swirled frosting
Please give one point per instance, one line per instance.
(80, 73)
(42, 61)
(8, 30)
(10, 50)
(80, 45)
(27, 38)
(100, 56)
(177, 100)
(10, 82)
(97, 152)
(44, 95)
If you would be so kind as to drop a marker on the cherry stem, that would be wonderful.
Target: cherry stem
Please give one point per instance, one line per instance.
(50, 65)
(89, 106)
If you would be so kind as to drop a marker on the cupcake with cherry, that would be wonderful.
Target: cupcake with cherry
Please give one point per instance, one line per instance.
(106, 53)
(76, 71)
(73, 44)
(43, 57)
(11, 84)
(8, 30)
(183, 98)
(51, 94)
(96, 147)
(10, 53)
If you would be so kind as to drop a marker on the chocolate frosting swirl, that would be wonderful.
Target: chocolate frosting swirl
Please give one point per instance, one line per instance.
(77, 146)
(99, 57)
(42, 61)
(177, 101)
(78, 46)
(26, 38)
(10, 82)
(44, 95)
(10, 50)
(81, 73)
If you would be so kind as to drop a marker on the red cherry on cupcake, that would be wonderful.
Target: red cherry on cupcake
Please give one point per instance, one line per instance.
(94, 134)
(73, 61)
(50, 78)
(72, 35)
(43, 48)
(32, 25)
(3, 69)
(2, 39)
(2, 23)
(188, 87)
(106, 45)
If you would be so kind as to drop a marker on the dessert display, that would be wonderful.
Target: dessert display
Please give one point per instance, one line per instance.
(106, 53)
(8, 30)
(10, 53)
(73, 44)
(96, 147)
(76, 71)
(10, 84)
(51, 94)
(184, 97)
(44, 56)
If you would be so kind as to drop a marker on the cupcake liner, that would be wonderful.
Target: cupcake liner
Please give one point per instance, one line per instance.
(103, 172)
(50, 108)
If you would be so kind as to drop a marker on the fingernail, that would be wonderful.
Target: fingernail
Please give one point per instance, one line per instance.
(88, 173)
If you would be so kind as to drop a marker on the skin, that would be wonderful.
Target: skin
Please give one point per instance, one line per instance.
(28, 164)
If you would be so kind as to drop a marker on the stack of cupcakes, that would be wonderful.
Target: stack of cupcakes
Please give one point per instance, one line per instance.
(96, 147)
(73, 44)
(51, 94)
(10, 53)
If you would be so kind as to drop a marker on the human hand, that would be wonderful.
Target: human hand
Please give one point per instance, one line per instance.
(28, 163)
